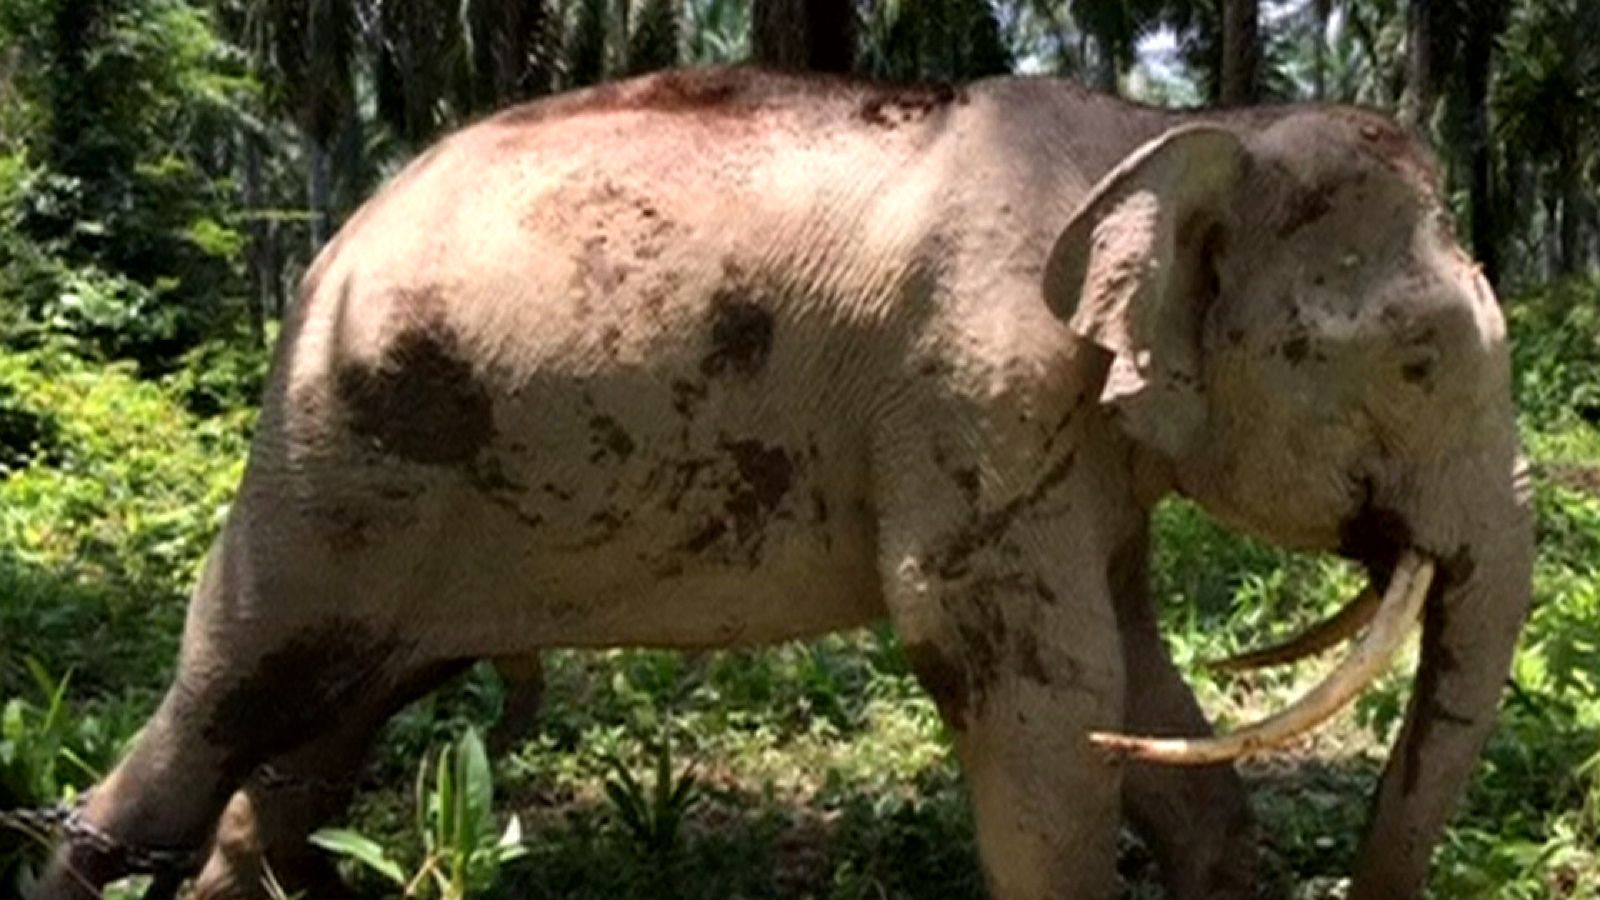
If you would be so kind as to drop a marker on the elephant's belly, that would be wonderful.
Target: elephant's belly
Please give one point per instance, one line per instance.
(706, 575)
(601, 525)
(794, 592)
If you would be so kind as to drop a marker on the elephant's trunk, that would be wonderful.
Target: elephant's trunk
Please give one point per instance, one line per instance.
(1470, 630)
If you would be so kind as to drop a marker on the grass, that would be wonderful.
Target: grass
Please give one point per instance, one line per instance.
(809, 770)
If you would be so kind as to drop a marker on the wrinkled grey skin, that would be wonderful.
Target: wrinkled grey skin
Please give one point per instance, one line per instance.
(722, 358)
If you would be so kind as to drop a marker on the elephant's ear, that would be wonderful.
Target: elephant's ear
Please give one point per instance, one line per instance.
(1133, 273)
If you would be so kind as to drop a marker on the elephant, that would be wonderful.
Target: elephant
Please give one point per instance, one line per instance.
(723, 357)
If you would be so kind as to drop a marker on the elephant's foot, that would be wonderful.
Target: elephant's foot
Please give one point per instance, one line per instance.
(1225, 867)
(250, 855)
(153, 814)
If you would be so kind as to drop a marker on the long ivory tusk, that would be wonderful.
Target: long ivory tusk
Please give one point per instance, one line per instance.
(1353, 617)
(1398, 612)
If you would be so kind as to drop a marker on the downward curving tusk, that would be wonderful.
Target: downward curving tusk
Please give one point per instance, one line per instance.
(1396, 614)
(1345, 623)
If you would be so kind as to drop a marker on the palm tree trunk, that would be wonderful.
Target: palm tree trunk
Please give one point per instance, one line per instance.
(256, 252)
(1571, 186)
(510, 50)
(623, 37)
(349, 163)
(1430, 50)
(1477, 58)
(586, 49)
(1551, 246)
(654, 42)
(1241, 52)
(1591, 221)
(1105, 67)
(518, 51)
(319, 191)
(1422, 89)
(818, 35)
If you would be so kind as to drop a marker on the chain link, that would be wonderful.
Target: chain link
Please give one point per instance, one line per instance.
(136, 859)
(68, 819)
(36, 821)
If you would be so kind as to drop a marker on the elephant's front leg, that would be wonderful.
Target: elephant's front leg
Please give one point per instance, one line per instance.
(1023, 662)
(1020, 680)
(1196, 820)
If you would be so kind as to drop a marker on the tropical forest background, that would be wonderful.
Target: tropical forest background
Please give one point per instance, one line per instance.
(169, 167)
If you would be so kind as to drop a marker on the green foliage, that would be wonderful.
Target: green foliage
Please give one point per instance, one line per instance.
(222, 378)
(461, 853)
(718, 31)
(109, 495)
(106, 507)
(1556, 355)
(117, 226)
(654, 817)
(48, 755)
(1547, 96)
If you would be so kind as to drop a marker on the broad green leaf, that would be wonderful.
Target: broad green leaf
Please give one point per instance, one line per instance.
(476, 784)
(360, 848)
(445, 801)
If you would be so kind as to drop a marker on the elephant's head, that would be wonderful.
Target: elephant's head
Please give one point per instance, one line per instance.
(1293, 335)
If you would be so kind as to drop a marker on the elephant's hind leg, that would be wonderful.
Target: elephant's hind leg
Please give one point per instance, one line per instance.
(267, 823)
(523, 677)
(163, 799)
(265, 669)
(160, 801)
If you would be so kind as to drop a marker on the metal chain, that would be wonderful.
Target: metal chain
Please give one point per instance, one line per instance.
(36, 821)
(134, 858)
(68, 819)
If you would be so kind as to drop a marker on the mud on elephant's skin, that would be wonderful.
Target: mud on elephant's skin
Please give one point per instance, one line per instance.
(723, 357)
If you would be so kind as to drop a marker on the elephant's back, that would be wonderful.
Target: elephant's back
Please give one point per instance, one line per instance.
(604, 324)
(556, 232)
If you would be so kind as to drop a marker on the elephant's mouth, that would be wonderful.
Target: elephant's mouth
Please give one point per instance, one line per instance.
(1388, 618)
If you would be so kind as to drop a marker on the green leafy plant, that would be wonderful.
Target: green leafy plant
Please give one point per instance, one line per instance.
(47, 755)
(653, 816)
(462, 854)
